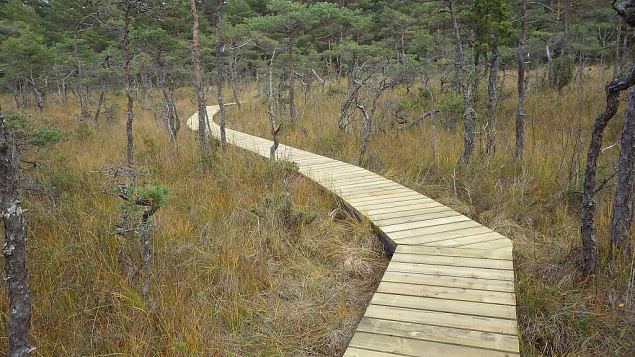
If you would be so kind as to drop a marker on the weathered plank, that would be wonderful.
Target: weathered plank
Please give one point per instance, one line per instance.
(469, 338)
(416, 347)
(443, 292)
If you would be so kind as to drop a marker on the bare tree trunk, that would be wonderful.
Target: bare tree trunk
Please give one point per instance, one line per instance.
(491, 102)
(219, 71)
(468, 112)
(100, 101)
(233, 73)
(25, 99)
(80, 77)
(16, 96)
(198, 81)
(622, 215)
(39, 99)
(64, 95)
(522, 83)
(126, 72)
(366, 131)
(15, 268)
(275, 129)
(145, 235)
(291, 80)
(170, 117)
(587, 229)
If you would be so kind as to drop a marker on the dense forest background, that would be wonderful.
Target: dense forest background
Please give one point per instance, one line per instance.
(59, 47)
(487, 106)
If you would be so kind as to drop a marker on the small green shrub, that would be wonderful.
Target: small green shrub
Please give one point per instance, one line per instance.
(153, 191)
(28, 133)
(46, 135)
(451, 105)
(562, 69)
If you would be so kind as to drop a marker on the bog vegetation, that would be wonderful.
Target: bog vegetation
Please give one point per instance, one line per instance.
(147, 238)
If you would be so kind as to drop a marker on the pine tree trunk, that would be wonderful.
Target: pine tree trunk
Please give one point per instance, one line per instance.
(522, 83)
(468, 112)
(219, 71)
(291, 80)
(233, 73)
(100, 101)
(80, 79)
(491, 102)
(622, 215)
(16, 96)
(15, 260)
(127, 79)
(198, 81)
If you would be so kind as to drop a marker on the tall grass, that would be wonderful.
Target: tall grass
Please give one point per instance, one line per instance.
(224, 280)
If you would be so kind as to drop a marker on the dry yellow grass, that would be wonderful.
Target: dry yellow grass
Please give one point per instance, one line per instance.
(225, 282)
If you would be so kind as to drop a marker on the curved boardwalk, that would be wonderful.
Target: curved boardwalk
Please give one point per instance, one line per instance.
(449, 288)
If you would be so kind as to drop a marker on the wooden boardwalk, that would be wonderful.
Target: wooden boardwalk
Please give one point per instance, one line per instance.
(449, 287)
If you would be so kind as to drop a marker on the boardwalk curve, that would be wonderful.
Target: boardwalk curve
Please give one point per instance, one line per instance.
(449, 287)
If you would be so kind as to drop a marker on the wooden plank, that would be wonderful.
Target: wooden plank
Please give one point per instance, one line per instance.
(435, 229)
(439, 213)
(479, 273)
(493, 341)
(326, 174)
(360, 352)
(444, 292)
(449, 281)
(368, 177)
(498, 244)
(468, 322)
(329, 164)
(378, 217)
(392, 197)
(462, 241)
(424, 223)
(332, 177)
(414, 347)
(335, 185)
(384, 211)
(406, 202)
(451, 252)
(360, 186)
(364, 193)
(372, 194)
(361, 190)
(446, 305)
(454, 261)
(439, 236)
(355, 185)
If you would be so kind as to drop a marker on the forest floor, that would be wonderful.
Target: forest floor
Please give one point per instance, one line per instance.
(250, 259)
